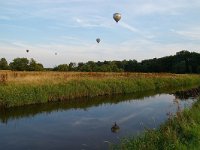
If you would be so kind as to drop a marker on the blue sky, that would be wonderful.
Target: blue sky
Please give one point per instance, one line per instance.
(148, 29)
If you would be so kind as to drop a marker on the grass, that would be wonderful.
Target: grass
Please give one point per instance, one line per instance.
(23, 88)
(180, 132)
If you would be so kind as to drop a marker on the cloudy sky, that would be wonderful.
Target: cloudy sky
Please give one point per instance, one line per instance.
(148, 29)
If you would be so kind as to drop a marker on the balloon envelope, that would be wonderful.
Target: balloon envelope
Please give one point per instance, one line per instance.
(27, 50)
(116, 16)
(98, 40)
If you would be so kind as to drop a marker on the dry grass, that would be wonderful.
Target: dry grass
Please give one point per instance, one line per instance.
(56, 77)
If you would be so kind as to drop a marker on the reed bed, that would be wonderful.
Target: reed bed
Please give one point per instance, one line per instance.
(22, 88)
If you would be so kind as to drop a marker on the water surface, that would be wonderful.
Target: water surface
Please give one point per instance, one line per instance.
(86, 123)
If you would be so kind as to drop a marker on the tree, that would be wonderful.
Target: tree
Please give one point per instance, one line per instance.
(34, 66)
(62, 67)
(72, 66)
(183, 62)
(19, 64)
(198, 69)
(180, 67)
(3, 64)
(23, 64)
(131, 66)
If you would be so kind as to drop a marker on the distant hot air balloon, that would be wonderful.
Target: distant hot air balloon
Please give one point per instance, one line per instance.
(27, 50)
(98, 40)
(55, 53)
(116, 16)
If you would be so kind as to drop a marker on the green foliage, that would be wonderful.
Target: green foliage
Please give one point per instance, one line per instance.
(72, 66)
(106, 66)
(182, 62)
(3, 64)
(23, 64)
(19, 64)
(179, 67)
(34, 66)
(62, 67)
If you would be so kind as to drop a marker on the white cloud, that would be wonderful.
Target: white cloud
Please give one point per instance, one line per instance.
(93, 21)
(167, 7)
(192, 33)
(129, 27)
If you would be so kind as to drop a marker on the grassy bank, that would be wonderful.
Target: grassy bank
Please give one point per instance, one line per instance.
(180, 132)
(22, 88)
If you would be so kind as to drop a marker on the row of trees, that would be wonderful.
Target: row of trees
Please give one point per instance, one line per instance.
(183, 62)
(21, 64)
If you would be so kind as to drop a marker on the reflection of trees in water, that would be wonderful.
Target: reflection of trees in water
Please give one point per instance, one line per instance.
(187, 94)
(32, 110)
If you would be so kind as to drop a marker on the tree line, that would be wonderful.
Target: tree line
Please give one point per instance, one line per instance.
(183, 62)
(21, 64)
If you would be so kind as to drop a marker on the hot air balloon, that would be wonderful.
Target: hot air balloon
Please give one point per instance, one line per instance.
(27, 50)
(55, 53)
(116, 16)
(98, 40)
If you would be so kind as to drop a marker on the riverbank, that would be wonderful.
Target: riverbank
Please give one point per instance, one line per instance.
(181, 131)
(24, 88)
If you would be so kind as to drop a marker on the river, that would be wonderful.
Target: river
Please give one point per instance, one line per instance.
(85, 124)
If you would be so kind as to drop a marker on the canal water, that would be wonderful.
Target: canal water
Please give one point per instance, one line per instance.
(86, 124)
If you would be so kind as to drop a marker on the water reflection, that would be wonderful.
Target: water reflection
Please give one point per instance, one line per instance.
(7, 114)
(187, 94)
(86, 123)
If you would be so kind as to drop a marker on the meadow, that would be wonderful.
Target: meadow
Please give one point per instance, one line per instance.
(24, 88)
